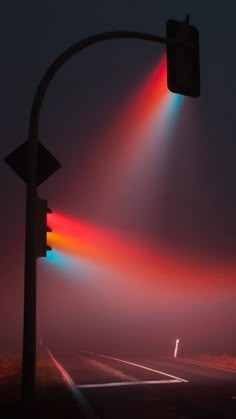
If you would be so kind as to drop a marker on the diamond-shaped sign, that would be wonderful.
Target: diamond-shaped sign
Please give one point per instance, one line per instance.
(47, 164)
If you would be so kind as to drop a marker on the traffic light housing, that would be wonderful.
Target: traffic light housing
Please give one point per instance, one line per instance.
(183, 63)
(41, 227)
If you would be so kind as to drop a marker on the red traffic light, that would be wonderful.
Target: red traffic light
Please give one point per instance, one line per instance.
(42, 228)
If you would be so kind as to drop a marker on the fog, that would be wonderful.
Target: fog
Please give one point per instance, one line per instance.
(144, 230)
(113, 316)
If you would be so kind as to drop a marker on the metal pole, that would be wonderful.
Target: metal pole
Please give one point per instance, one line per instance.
(29, 330)
(29, 327)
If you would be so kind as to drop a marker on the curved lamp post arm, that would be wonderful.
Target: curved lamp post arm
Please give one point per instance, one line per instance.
(65, 56)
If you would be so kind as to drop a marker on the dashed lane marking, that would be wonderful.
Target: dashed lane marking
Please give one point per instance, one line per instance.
(128, 383)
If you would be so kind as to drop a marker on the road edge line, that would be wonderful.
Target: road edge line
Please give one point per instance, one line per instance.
(78, 396)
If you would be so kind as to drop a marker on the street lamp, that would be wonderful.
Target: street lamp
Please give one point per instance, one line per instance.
(34, 164)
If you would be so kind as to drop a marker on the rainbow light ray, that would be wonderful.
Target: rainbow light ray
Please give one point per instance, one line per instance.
(92, 250)
(76, 265)
(146, 125)
(120, 136)
(142, 109)
(154, 137)
(142, 158)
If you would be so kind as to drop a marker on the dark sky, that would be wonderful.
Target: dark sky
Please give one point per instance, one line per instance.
(196, 207)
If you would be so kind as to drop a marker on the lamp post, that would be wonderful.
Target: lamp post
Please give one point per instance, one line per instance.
(32, 167)
(29, 331)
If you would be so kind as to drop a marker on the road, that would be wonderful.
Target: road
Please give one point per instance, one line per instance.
(111, 386)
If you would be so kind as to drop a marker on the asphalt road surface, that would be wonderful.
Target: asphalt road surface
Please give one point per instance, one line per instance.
(116, 387)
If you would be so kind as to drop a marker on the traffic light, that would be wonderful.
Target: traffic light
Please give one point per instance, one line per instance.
(41, 227)
(183, 63)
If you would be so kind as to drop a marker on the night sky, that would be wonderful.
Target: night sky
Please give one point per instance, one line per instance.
(169, 187)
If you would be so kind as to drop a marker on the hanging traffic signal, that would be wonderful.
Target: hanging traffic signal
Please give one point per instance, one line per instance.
(41, 227)
(183, 63)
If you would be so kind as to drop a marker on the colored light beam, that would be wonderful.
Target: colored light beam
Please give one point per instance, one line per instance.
(153, 139)
(154, 114)
(131, 125)
(137, 109)
(124, 128)
(78, 267)
(140, 140)
(148, 97)
(143, 156)
(100, 250)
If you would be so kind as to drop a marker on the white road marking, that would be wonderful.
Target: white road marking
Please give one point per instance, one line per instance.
(110, 370)
(139, 366)
(67, 378)
(79, 397)
(128, 383)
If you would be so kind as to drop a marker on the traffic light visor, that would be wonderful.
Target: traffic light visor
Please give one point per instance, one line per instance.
(183, 63)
